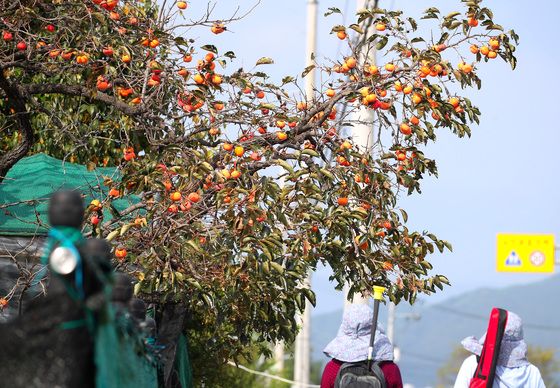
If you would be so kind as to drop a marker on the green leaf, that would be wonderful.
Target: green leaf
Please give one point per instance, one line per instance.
(277, 267)
(443, 279)
(206, 167)
(404, 215)
(454, 25)
(137, 287)
(264, 61)
(356, 28)
(208, 301)
(338, 28)
(266, 252)
(327, 173)
(194, 283)
(332, 10)
(310, 296)
(495, 27)
(193, 244)
(112, 235)
(307, 70)
(285, 165)
(382, 43)
(432, 237)
(432, 10)
(125, 228)
(452, 15)
(211, 48)
(287, 79)
(310, 152)
(181, 41)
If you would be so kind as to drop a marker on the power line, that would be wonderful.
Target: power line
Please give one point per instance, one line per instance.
(482, 318)
(274, 377)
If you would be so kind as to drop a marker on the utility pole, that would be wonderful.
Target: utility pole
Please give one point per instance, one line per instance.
(391, 322)
(391, 329)
(362, 121)
(362, 118)
(391, 317)
(303, 346)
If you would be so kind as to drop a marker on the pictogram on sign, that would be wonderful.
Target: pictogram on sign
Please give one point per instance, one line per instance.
(513, 259)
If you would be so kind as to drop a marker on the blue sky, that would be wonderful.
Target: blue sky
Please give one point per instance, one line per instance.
(503, 179)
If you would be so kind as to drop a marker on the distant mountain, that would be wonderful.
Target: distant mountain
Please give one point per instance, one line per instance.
(427, 343)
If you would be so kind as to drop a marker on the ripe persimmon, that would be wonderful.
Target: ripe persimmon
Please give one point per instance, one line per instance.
(115, 193)
(473, 22)
(405, 129)
(228, 147)
(175, 196)
(194, 197)
(351, 62)
(239, 151)
(454, 101)
(120, 253)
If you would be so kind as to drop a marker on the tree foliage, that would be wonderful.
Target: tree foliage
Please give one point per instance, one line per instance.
(245, 183)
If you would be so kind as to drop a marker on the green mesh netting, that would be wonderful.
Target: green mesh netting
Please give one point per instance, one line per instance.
(29, 184)
(118, 359)
(182, 363)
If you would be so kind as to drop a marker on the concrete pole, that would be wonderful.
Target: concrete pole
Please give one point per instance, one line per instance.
(362, 134)
(302, 347)
(279, 357)
(311, 46)
(391, 322)
(356, 299)
(363, 117)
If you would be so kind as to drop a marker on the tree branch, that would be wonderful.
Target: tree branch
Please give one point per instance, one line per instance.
(82, 91)
(17, 102)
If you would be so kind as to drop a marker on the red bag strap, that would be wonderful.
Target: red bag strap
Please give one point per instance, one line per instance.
(486, 368)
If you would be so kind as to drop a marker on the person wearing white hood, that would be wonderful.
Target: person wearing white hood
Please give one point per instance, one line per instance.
(351, 346)
(513, 370)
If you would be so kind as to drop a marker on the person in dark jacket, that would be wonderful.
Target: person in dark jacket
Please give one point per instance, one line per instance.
(351, 345)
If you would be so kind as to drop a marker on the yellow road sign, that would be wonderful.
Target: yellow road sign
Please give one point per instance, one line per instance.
(525, 253)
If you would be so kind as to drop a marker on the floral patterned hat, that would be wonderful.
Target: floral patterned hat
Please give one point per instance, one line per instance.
(352, 341)
(513, 349)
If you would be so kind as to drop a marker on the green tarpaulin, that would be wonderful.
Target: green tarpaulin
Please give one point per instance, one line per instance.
(25, 191)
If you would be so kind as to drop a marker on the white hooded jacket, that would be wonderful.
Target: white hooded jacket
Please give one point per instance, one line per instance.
(526, 376)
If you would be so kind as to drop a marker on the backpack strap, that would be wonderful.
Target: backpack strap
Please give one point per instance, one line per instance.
(488, 360)
(376, 369)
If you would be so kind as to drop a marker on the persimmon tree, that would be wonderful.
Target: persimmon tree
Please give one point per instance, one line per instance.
(245, 183)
